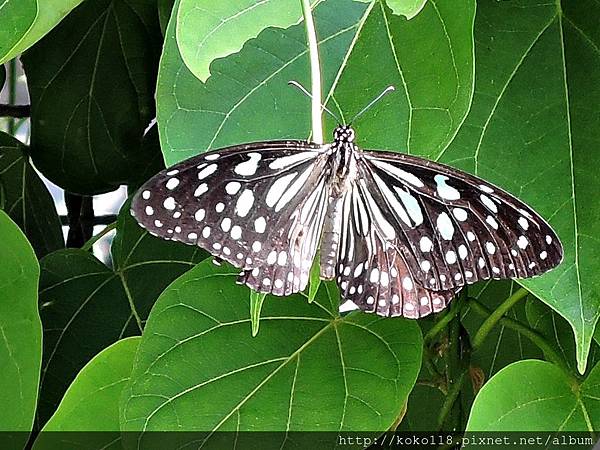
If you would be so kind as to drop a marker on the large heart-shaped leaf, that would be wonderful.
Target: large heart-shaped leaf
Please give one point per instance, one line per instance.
(24, 22)
(91, 403)
(535, 395)
(20, 331)
(26, 199)
(86, 306)
(207, 30)
(91, 82)
(198, 368)
(532, 134)
(364, 47)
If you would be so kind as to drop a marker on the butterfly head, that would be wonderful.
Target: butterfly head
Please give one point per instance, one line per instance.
(343, 134)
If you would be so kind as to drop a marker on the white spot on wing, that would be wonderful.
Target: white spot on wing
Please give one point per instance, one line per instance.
(399, 173)
(200, 214)
(522, 242)
(244, 203)
(492, 222)
(450, 257)
(286, 161)
(248, 167)
(172, 183)
(460, 214)
(260, 225)
(523, 223)
(444, 190)
(226, 224)
(278, 188)
(444, 226)
(425, 244)
(236, 233)
(489, 203)
(169, 203)
(209, 170)
(203, 188)
(232, 187)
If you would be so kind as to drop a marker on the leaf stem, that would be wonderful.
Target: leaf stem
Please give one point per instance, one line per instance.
(450, 400)
(315, 73)
(532, 335)
(90, 243)
(496, 315)
(12, 92)
(443, 322)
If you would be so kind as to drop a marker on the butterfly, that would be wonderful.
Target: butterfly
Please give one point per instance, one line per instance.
(400, 234)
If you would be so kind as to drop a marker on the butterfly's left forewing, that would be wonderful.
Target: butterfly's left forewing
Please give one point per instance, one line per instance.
(454, 228)
(258, 206)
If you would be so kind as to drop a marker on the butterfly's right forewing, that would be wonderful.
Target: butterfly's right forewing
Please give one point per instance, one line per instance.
(258, 206)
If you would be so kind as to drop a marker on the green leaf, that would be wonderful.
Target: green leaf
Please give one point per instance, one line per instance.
(429, 105)
(314, 280)
(531, 134)
(406, 8)
(433, 93)
(91, 403)
(557, 331)
(207, 30)
(26, 198)
(24, 22)
(535, 395)
(91, 82)
(256, 302)
(198, 369)
(86, 306)
(21, 332)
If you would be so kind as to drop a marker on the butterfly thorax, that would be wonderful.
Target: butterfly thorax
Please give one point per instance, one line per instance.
(344, 167)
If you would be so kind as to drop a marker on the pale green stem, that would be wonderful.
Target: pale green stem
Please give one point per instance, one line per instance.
(89, 244)
(315, 73)
(491, 321)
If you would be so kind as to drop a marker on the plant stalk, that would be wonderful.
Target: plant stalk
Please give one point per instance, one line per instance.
(90, 243)
(532, 335)
(12, 92)
(495, 316)
(315, 73)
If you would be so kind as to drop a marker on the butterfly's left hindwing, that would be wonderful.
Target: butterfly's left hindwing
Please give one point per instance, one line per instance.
(258, 206)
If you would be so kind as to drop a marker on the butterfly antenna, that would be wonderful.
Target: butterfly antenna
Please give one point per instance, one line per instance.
(299, 86)
(387, 90)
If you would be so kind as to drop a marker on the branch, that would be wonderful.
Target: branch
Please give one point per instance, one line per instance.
(15, 111)
(494, 317)
(315, 73)
(532, 335)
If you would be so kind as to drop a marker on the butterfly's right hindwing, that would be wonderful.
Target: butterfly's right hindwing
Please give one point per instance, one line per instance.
(258, 206)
